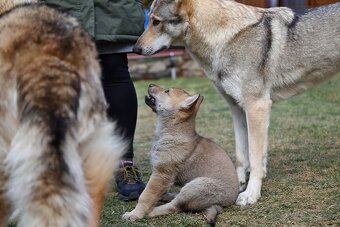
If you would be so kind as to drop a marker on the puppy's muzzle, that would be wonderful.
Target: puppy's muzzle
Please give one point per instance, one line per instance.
(150, 100)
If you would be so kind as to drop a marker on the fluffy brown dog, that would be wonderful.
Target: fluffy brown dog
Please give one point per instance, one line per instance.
(57, 148)
(180, 155)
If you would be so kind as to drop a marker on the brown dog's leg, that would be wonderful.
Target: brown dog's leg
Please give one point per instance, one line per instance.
(3, 213)
(97, 193)
(101, 154)
(96, 183)
(98, 173)
(3, 203)
(257, 111)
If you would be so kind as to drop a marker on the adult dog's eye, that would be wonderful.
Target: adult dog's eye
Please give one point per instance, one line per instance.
(156, 22)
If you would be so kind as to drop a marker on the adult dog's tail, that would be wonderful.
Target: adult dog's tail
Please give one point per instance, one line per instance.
(46, 184)
(59, 111)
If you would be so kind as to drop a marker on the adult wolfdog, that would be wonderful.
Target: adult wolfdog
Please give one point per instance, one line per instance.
(253, 56)
(57, 148)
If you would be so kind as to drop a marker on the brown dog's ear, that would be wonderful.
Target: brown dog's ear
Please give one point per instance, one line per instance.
(190, 101)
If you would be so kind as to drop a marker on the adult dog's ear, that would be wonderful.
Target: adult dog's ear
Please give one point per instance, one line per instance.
(191, 101)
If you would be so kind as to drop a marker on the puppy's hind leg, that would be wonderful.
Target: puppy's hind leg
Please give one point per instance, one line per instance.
(200, 194)
(167, 197)
(168, 208)
(101, 152)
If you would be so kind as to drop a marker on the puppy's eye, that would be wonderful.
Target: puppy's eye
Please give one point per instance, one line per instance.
(156, 22)
(167, 91)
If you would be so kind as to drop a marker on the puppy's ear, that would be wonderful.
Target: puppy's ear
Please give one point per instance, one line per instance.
(189, 102)
(199, 101)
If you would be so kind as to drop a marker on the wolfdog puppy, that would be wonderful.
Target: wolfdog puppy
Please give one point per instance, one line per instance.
(58, 150)
(253, 56)
(180, 155)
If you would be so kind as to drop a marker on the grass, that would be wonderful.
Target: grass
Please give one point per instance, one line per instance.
(302, 187)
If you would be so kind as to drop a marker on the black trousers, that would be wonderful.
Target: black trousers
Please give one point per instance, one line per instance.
(120, 95)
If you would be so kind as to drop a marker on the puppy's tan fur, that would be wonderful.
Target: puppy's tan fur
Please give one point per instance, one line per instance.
(179, 154)
(58, 150)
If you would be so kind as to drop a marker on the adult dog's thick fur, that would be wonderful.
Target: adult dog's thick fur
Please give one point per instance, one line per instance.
(180, 155)
(57, 147)
(253, 56)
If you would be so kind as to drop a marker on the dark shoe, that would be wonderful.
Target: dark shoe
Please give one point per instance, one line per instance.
(129, 182)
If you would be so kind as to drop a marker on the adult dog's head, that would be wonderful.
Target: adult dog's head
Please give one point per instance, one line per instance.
(167, 23)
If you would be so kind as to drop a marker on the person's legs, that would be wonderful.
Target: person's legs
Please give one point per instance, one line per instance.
(121, 97)
(120, 94)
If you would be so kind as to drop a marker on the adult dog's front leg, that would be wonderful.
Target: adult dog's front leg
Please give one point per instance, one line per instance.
(257, 112)
(241, 143)
(157, 185)
(241, 137)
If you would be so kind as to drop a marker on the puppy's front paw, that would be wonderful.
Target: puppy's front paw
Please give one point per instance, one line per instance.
(130, 216)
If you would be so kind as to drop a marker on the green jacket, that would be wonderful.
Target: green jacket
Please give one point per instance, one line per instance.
(114, 24)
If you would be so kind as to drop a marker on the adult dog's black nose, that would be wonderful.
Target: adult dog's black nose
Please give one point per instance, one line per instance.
(137, 49)
(152, 85)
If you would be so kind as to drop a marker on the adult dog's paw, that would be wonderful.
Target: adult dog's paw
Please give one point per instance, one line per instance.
(130, 216)
(247, 197)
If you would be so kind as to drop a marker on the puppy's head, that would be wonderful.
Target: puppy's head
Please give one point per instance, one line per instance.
(172, 102)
